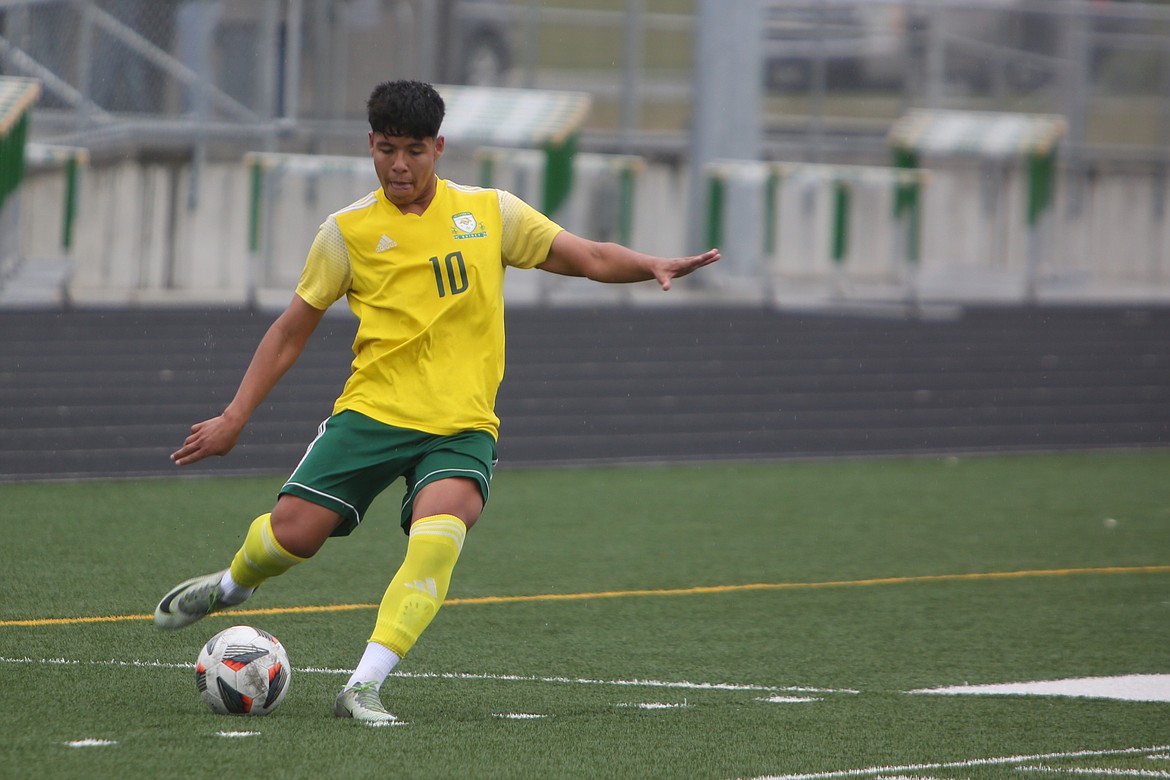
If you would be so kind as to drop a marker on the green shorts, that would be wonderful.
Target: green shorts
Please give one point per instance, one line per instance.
(355, 458)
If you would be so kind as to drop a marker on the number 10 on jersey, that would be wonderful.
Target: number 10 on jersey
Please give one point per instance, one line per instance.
(455, 278)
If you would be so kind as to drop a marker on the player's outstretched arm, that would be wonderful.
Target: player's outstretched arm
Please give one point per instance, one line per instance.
(571, 255)
(278, 350)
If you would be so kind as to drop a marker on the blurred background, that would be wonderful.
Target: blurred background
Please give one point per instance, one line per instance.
(167, 149)
(944, 224)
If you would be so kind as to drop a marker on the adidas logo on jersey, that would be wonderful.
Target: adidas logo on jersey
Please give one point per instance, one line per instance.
(384, 243)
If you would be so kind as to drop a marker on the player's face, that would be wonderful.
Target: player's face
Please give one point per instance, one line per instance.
(406, 168)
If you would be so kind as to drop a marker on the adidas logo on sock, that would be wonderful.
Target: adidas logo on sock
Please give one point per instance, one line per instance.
(384, 243)
(425, 587)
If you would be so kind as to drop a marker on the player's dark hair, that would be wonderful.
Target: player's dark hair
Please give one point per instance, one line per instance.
(405, 108)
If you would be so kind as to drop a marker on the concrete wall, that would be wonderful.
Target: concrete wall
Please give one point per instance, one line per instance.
(146, 234)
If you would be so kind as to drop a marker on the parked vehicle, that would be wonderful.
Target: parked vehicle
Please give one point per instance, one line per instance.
(860, 43)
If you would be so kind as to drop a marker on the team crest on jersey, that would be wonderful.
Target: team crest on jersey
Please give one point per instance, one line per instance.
(467, 226)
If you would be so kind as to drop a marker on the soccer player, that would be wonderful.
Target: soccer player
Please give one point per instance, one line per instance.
(421, 261)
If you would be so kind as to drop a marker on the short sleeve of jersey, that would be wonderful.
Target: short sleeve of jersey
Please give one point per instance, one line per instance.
(527, 234)
(326, 276)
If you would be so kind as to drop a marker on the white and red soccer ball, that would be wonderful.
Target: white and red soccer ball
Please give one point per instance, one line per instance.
(243, 671)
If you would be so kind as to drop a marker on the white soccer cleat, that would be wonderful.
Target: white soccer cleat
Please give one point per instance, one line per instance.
(190, 601)
(362, 703)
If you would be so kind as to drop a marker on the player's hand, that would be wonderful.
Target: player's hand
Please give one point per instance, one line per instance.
(216, 436)
(681, 266)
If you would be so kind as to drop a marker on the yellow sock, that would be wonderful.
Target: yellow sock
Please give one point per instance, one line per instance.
(261, 556)
(418, 589)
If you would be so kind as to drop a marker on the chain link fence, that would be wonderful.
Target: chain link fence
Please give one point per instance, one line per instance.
(835, 73)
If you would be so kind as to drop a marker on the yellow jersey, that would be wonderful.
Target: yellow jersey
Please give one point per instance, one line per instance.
(428, 292)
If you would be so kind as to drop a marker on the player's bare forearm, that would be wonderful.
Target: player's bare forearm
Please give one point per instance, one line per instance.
(572, 255)
(278, 350)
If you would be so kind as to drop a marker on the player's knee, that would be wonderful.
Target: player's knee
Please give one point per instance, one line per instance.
(302, 527)
(457, 496)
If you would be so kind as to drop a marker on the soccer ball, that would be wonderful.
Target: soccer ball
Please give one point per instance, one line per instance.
(243, 671)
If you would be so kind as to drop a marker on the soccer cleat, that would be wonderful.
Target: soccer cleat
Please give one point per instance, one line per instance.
(362, 703)
(189, 601)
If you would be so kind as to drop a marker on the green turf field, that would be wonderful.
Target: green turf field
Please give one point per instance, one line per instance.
(720, 621)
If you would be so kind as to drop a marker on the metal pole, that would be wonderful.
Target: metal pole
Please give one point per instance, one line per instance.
(198, 23)
(632, 70)
(269, 54)
(84, 57)
(532, 42)
(728, 91)
(294, 24)
(340, 52)
(430, 34)
(935, 59)
(322, 54)
(1160, 257)
(817, 87)
(1076, 104)
(406, 36)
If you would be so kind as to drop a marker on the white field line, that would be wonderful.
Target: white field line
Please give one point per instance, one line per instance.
(677, 685)
(636, 683)
(789, 700)
(1098, 771)
(1129, 687)
(883, 770)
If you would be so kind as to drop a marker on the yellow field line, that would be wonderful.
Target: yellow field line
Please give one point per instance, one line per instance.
(993, 575)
